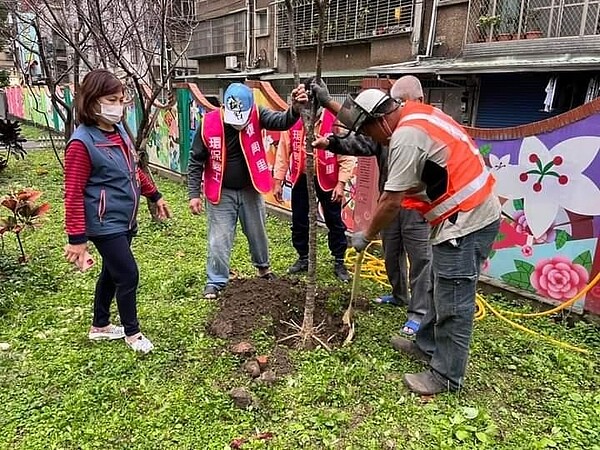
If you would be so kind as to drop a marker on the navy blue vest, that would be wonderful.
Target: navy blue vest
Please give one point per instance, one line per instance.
(113, 190)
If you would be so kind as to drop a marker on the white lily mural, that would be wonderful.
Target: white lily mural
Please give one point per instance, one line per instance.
(549, 179)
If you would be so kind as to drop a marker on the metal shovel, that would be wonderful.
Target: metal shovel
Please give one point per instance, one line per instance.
(347, 317)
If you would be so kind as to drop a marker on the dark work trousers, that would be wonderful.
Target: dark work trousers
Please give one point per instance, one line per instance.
(447, 328)
(408, 235)
(118, 278)
(332, 212)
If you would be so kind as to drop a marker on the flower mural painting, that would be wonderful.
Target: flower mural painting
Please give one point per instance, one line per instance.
(547, 179)
(559, 278)
(498, 163)
(521, 226)
(527, 250)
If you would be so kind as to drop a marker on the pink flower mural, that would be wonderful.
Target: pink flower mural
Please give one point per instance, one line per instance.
(521, 226)
(558, 278)
(486, 264)
(527, 250)
(550, 178)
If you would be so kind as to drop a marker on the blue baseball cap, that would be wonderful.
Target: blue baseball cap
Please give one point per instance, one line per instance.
(238, 101)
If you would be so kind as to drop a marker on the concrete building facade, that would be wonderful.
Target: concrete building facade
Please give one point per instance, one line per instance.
(490, 63)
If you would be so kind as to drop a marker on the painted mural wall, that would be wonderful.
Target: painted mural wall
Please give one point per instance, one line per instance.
(33, 103)
(548, 178)
(163, 142)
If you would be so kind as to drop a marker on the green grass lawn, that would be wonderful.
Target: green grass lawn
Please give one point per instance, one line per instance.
(58, 390)
(33, 133)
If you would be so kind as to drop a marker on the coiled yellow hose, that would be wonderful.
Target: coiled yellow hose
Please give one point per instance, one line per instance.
(373, 268)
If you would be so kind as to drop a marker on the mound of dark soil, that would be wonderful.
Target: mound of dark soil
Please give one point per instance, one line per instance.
(246, 305)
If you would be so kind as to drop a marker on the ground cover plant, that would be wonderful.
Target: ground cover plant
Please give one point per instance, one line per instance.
(32, 133)
(58, 390)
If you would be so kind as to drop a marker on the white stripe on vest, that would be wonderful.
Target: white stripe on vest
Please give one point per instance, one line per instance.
(449, 128)
(460, 196)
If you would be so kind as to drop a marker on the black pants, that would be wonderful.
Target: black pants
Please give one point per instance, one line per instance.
(119, 278)
(332, 213)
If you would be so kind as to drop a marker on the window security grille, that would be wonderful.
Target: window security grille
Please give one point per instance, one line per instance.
(348, 20)
(220, 36)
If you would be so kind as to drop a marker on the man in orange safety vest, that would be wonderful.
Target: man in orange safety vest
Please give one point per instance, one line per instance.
(435, 168)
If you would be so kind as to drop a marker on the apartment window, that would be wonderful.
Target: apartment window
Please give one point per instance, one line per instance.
(492, 20)
(187, 8)
(219, 36)
(261, 22)
(348, 20)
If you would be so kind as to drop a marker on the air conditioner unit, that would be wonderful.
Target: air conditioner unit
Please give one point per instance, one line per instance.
(231, 63)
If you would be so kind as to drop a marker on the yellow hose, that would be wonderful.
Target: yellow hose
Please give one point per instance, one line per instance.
(373, 268)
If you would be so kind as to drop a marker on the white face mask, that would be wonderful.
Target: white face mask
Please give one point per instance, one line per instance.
(111, 113)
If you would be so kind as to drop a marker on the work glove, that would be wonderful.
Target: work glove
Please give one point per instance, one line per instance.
(320, 92)
(359, 241)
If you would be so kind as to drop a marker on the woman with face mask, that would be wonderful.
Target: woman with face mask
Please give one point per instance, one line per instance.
(103, 185)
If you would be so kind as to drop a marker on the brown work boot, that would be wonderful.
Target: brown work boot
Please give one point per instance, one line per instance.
(425, 383)
(410, 348)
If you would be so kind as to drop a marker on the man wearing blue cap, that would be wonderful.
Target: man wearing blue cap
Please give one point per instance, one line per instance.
(228, 164)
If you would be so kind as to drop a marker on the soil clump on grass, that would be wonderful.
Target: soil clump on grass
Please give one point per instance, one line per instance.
(255, 304)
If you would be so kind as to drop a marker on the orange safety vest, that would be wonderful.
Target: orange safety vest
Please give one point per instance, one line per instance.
(469, 181)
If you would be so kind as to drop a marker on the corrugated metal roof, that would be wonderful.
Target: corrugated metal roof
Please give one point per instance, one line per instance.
(457, 66)
(268, 74)
(227, 75)
(325, 74)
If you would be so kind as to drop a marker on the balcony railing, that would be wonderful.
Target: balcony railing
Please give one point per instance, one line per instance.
(348, 20)
(502, 20)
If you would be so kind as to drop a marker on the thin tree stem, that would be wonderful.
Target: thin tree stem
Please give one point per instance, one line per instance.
(24, 258)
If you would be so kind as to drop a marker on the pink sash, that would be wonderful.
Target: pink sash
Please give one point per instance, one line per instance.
(327, 165)
(213, 136)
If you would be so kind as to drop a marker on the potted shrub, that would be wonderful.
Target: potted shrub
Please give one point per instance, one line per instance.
(484, 27)
(532, 26)
(508, 31)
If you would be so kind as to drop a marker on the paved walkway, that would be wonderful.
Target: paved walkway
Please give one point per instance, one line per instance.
(42, 143)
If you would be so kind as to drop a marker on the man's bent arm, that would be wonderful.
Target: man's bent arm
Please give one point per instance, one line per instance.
(354, 145)
(277, 120)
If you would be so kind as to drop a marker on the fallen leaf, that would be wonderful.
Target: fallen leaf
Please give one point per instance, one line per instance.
(265, 436)
(237, 443)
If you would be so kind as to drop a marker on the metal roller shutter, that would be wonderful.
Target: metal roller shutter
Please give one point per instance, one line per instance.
(512, 99)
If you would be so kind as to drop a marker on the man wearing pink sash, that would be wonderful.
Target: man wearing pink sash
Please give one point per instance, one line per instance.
(331, 174)
(228, 164)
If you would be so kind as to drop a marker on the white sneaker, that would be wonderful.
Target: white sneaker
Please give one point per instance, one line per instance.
(141, 344)
(110, 333)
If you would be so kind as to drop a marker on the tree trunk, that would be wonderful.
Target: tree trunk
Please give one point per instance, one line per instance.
(308, 329)
(289, 7)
